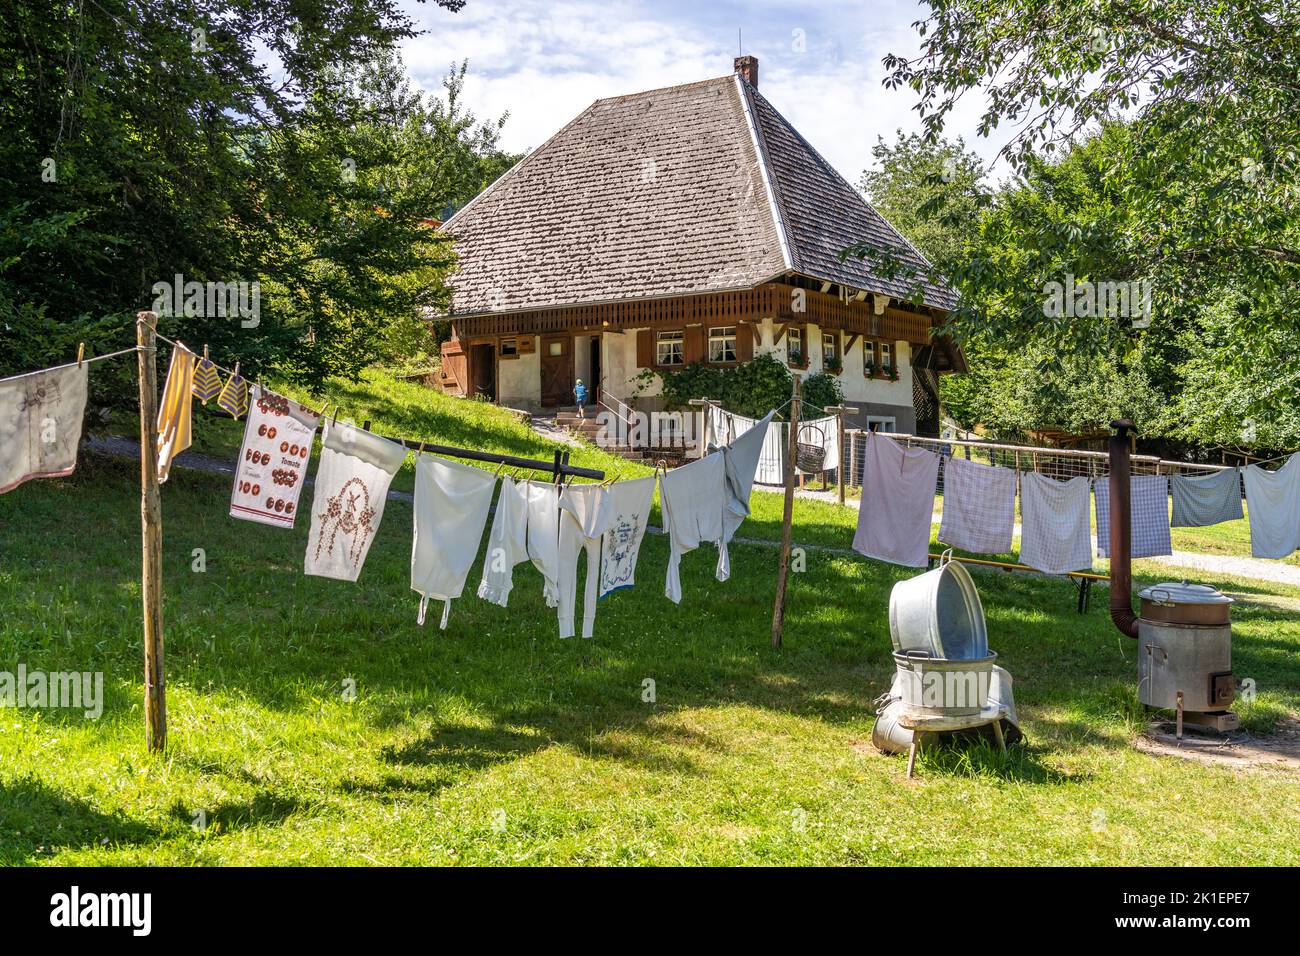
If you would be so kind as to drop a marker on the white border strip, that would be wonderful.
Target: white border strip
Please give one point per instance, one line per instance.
(761, 155)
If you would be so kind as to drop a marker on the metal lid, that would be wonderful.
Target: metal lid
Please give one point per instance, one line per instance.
(1183, 593)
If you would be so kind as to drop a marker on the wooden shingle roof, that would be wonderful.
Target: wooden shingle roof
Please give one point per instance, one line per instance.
(697, 188)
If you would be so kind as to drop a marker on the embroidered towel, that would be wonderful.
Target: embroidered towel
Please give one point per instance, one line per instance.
(585, 515)
(352, 482)
(1054, 535)
(174, 410)
(272, 465)
(544, 536)
(629, 503)
(451, 508)
(979, 506)
(897, 507)
(1202, 500)
(692, 500)
(1273, 498)
(740, 459)
(40, 424)
(1148, 517)
(507, 543)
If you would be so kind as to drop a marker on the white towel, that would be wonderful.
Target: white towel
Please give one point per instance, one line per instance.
(544, 536)
(740, 459)
(40, 424)
(585, 515)
(1148, 516)
(629, 501)
(897, 507)
(272, 465)
(1202, 500)
(507, 543)
(1273, 501)
(451, 508)
(979, 506)
(692, 498)
(1055, 536)
(352, 482)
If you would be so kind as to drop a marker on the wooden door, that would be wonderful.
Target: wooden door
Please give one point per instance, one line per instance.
(557, 369)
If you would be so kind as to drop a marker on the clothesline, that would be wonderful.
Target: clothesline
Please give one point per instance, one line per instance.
(84, 361)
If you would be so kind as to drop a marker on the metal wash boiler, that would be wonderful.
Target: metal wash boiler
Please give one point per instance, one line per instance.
(1184, 631)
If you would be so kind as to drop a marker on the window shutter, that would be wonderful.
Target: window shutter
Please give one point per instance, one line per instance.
(693, 344)
(744, 342)
(645, 348)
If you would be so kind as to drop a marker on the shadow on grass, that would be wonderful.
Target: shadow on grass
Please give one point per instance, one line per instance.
(37, 820)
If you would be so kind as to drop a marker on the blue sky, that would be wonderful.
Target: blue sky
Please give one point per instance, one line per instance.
(819, 63)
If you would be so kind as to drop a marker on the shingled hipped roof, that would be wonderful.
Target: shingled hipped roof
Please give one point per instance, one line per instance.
(697, 188)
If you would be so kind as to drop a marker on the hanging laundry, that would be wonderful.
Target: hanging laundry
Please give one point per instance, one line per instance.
(979, 506)
(40, 424)
(1055, 533)
(1201, 500)
(544, 536)
(1273, 504)
(451, 509)
(740, 459)
(629, 502)
(692, 498)
(234, 397)
(724, 427)
(897, 507)
(585, 515)
(207, 379)
(272, 465)
(1148, 516)
(352, 482)
(175, 410)
(507, 543)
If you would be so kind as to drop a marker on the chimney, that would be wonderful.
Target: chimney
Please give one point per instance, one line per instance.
(747, 67)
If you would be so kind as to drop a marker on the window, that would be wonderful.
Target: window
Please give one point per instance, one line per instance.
(555, 349)
(509, 348)
(794, 346)
(887, 358)
(831, 352)
(722, 344)
(869, 364)
(668, 348)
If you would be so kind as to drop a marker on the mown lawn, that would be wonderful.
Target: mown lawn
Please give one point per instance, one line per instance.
(496, 742)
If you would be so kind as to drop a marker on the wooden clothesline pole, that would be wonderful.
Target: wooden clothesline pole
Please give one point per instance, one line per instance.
(155, 681)
(787, 518)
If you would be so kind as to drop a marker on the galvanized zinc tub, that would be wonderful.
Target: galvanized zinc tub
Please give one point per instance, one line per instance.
(939, 687)
(939, 612)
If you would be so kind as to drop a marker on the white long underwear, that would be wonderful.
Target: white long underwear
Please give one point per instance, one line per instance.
(585, 515)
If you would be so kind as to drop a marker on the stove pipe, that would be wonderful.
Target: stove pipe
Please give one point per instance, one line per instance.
(1121, 530)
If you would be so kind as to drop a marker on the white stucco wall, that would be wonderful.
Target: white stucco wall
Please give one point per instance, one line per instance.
(853, 382)
(519, 379)
(618, 357)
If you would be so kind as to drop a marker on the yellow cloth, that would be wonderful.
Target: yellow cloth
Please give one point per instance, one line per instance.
(174, 412)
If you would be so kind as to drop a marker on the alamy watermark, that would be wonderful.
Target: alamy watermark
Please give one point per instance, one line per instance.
(211, 300)
(638, 429)
(1086, 299)
(38, 690)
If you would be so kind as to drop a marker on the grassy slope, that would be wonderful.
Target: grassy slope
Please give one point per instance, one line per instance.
(497, 743)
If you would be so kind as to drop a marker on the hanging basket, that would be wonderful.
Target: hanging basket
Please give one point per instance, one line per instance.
(810, 457)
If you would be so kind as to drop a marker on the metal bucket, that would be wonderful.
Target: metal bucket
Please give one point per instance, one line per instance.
(891, 737)
(938, 687)
(939, 612)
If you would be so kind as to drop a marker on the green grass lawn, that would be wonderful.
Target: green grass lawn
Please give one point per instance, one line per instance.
(497, 743)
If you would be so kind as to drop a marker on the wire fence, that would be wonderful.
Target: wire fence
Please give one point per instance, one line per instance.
(1059, 463)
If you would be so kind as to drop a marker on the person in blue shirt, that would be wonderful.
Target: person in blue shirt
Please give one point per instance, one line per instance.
(580, 395)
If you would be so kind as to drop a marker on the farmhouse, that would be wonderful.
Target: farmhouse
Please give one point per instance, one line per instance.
(679, 225)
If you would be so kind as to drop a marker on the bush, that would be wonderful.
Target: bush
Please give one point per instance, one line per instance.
(752, 389)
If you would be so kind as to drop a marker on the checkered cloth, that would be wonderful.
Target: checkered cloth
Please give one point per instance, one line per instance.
(1206, 499)
(1274, 499)
(979, 506)
(1149, 517)
(1054, 516)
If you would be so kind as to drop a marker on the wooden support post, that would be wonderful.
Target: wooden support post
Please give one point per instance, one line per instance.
(155, 682)
(787, 519)
(840, 411)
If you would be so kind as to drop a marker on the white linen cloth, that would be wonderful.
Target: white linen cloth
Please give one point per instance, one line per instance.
(451, 509)
(352, 482)
(1148, 516)
(585, 515)
(897, 507)
(725, 427)
(507, 543)
(692, 499)
(1055, 534)
(544, 536)
(979, 506)
(740, 458)
(40, 424)
(629, 501)
(1273, 502)
(272, 465)
(1201, 500)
